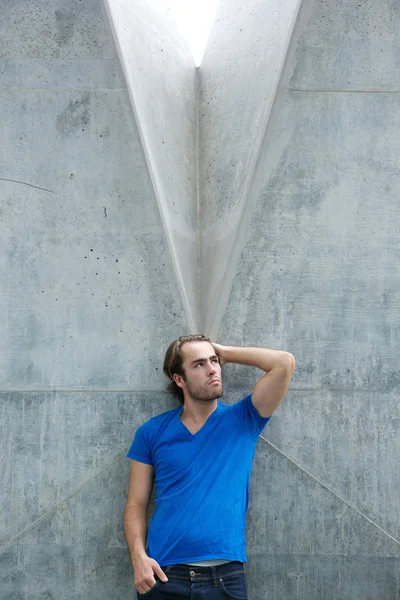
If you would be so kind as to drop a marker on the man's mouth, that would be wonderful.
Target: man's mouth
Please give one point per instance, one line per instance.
(213, 381)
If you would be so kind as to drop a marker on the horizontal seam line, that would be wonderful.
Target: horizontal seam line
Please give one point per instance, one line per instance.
(322, 91)
(321, 389)
(81, 390)
(324, 554)
(60, 89)
(152, 390)
(329, 489)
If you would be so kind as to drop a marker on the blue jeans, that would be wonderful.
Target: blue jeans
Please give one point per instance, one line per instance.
(200, 583)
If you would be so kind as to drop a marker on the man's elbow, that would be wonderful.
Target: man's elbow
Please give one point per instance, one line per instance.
(290, 362)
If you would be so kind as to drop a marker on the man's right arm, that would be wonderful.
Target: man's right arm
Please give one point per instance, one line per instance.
(135, 526)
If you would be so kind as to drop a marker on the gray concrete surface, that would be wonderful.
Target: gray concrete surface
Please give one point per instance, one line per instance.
(65, 538)
(67, 439)
(239, 77)
(91, 293)
(309, 543)
(161, 80)
(319, 276)
(87, 297)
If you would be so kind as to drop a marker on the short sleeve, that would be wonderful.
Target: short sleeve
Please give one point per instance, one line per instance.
(249, 416)
(141, 445)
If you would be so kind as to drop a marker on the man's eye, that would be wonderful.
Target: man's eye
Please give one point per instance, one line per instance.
(198, 365)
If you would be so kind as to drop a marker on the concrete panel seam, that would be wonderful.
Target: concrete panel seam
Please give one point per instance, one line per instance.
(7, 88)
(332, 388)
(28, 184)
(329, 489)
(322, 91)
(50, 512)
(84, 391)
(198, 199)
(227, 389)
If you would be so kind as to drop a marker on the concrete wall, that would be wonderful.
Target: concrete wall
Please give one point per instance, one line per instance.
(161, 79)
(238, 78)
(90, 293)
(319, 276)
(88, 302)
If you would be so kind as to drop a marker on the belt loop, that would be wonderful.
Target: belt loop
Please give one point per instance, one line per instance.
(167, 569)
(214, 576)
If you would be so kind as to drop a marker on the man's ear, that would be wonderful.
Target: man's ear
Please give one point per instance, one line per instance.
(178, 380)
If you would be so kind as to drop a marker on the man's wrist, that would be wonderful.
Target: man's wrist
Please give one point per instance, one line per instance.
(138, 555)
(222, 353)
(226, 354)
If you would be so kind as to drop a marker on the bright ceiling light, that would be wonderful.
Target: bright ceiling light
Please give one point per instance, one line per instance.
(196, 17)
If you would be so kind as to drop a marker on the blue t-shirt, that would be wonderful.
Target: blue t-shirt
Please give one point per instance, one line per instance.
(202, 482)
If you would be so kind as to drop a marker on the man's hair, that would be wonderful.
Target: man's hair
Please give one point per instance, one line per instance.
(174, 358)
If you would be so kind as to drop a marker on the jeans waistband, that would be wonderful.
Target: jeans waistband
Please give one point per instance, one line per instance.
(191, 573)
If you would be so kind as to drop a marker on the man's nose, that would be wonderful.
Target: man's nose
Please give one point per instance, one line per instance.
(212, 369)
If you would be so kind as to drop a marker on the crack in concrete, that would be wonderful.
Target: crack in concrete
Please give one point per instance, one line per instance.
(331, 490)
(28, 184)
(53, 510)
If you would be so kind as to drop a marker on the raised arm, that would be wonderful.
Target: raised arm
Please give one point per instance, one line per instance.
(278, 366)
(135, 526)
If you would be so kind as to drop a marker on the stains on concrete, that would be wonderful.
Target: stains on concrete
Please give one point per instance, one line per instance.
(105, 133)
(65, 23)
(76, 116)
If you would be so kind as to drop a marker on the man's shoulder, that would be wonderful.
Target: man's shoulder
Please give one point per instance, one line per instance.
(229, 404)
(154, 423)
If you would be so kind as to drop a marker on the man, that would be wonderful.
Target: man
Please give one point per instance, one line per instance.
(201, 455)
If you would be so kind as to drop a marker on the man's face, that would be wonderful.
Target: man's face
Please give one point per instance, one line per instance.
(202, 372)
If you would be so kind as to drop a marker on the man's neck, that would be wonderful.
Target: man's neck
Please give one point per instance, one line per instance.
(197, 411)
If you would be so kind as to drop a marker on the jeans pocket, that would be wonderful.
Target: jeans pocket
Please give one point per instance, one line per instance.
(234, 586)
(150, 591)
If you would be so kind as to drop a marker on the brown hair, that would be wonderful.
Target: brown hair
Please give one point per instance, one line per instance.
(174, 358)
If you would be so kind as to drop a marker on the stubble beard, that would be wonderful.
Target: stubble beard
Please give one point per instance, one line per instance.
(201, 394)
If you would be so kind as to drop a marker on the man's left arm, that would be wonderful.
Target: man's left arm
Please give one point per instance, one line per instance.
(278, 365)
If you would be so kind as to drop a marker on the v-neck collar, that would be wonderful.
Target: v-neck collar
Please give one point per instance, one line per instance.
(183, 427)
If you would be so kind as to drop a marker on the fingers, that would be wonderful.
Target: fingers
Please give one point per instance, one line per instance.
(159, 572)
(219, 352)
(147, 583)
(145, 587)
